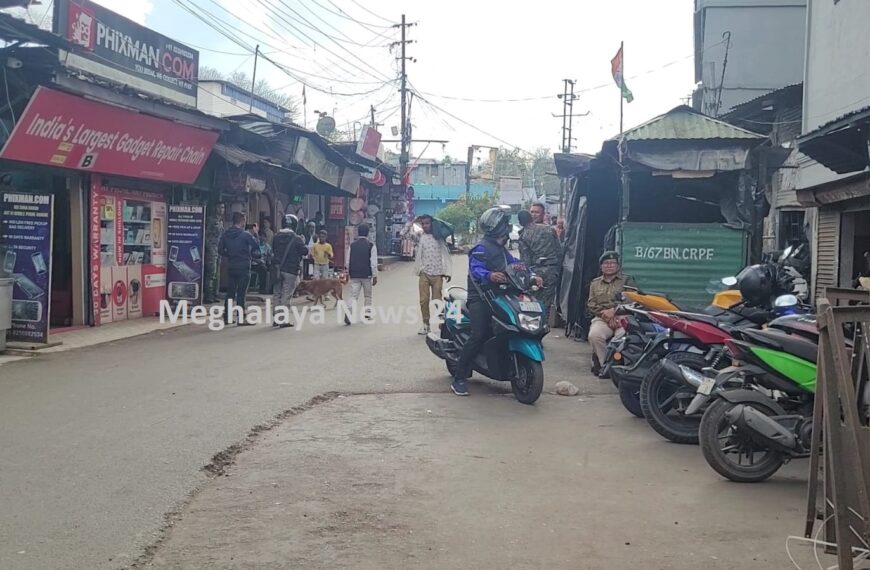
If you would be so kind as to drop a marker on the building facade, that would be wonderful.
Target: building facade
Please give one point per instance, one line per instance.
(832, 176)
(746, 48)
(225, 99)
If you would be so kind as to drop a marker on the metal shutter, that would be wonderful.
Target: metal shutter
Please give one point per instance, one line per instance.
(828, 251)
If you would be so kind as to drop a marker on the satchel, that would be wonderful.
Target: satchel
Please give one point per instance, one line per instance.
(276, 267)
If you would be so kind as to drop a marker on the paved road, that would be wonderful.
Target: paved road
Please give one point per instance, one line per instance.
(97, 445)
(429, 481)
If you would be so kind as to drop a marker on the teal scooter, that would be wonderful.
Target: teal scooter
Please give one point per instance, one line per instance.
(514, 352)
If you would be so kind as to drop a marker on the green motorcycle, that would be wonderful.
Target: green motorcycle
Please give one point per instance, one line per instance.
(762, 412)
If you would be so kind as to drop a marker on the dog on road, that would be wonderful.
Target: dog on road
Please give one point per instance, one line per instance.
(319, 288)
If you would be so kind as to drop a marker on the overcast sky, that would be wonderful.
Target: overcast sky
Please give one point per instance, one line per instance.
(481, 49)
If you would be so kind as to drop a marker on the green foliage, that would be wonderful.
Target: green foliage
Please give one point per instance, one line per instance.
(463, 215)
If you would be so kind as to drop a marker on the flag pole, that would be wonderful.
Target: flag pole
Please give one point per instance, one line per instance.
(621, 51)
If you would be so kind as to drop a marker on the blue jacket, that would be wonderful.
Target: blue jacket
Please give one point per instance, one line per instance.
(239, 247)
(487, 257)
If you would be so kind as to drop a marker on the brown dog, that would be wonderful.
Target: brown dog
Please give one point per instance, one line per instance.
(318, 288)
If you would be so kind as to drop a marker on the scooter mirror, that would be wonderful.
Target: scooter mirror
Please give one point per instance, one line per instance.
(785, 301)
(729, 281)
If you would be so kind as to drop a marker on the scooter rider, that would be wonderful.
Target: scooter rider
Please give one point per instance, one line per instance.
(487, 263)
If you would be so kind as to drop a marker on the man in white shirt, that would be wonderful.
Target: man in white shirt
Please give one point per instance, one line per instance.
(432, 264)
(362, 268)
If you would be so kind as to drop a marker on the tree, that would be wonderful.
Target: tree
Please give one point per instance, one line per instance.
(263, 88)
(463, 215)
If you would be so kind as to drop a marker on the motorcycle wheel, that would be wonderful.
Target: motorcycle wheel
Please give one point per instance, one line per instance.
(628, 395)
(529, 383)
(658, 392)
(719, 441)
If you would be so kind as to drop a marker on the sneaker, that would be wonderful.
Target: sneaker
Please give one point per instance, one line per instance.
(423, 331)
(459, 388)
(245, 324)
(347, 320)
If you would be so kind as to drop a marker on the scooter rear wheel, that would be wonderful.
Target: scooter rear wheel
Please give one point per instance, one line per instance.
(529, 383)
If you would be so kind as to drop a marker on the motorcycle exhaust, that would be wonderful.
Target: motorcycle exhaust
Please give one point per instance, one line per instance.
(761, 428)
(687, 375)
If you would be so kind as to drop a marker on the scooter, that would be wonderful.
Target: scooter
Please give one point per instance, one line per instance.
(514, 353)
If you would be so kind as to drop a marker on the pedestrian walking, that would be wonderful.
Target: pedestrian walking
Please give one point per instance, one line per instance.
(239, 247)
(432, 264)
(362, 270)
(213, 231)
(541, 250)
(322, 254)
(288, 250)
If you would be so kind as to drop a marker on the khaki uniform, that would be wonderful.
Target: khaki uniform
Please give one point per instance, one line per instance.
(604, 295)
(537, 241)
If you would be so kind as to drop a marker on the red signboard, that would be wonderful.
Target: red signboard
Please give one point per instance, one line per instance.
(63, 130)
(336, 208)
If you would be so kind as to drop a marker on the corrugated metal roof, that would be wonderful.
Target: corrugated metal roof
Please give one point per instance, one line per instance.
(795, 89)
(684, 123)
(239, 156)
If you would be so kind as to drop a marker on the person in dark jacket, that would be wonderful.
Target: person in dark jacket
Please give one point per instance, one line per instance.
(362, 268)
(288, 249)
(487, 265)
(239, 247)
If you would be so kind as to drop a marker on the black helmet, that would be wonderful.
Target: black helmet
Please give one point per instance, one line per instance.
(756, 284)
(608, 255)
(495, 223)
(291, 221)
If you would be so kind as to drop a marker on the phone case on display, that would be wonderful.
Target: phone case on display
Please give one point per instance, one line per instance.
(30, 288)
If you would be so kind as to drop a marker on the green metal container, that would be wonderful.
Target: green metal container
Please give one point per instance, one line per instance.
(682, 260)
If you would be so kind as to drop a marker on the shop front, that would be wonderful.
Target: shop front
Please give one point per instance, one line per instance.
(837, 184)
(109, 172)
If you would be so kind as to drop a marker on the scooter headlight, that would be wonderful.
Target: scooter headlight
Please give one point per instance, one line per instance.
(531, 324)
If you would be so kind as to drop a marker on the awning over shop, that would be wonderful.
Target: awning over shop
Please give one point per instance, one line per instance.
(238, 156)
(570, 164)
(842, 144)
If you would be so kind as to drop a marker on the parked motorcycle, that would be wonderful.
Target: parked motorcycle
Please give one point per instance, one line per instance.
(514, 353)
(630, 357)
(748, 432)
(665, 396)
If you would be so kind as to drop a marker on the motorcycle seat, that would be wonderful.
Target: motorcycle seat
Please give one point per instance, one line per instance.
(792, 344)
(458, 296)
(700, 317)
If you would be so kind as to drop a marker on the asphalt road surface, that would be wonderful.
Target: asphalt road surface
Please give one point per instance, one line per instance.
(100, 447)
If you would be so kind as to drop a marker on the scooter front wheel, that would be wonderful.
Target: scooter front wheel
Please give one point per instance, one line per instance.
(528, 383)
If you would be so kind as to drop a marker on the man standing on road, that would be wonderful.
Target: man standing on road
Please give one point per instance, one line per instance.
(213, 231)
(541, 250)
(322, 254)
(362, 270)
(288, 249)
(239, 247)
(539, 212)
(266, 231)
(432, 263)
(604, 293)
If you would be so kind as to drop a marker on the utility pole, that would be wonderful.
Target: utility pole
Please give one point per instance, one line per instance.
(374, 124)
(254, 78)
(568, 97)
(403, 90)
(468, 172)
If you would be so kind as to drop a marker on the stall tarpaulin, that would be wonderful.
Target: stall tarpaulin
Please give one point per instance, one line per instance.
(185, 238)
(26, 226)
(571, 301)
(62, 130)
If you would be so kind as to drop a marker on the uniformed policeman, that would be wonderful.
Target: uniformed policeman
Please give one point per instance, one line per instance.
(214, 229)
(541, 250)
(604, 295)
